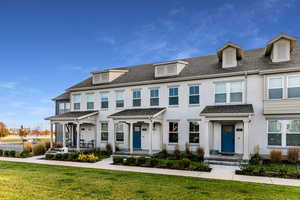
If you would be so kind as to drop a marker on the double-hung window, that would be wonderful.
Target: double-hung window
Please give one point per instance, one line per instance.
(173, 96)
(275, 88)
(136, 98)
(293, 133)
(90, 101)
(76, 101)
(293, 86)
(173, 132)
(229, 92)
(120, 133)
(119, 99)
(274, 132)
(63, 107)
(194, 97)
(104, 100)
(194, 132)
(154, 97)
(104, 131)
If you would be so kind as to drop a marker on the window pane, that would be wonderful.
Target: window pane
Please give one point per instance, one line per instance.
(154, 93)
(173, 137)
(90, 97)
(104, 127)
(61, 106)
(274, 126)
(194, 127)
(120, 103)
(154, 101)
(236, 97)
(294, 92)
(194, 99)
(293, 139)
(236, 87)
(136, 94)
(294, 81)
(136, 102)
(274, 139)
(90, 105)
(119, 95)
(104, 104)
(275, 83)
(220, 98)
(173, 126)
(76, 98)
(76, 106)
(194, 138)
(275, 93)
(220, 88)
(173, 91)
(194, 90)
(119, 128)
(104, 136)
(104, 96)
(68, 106)
(173, 100)
(293, 126)
(119, 136)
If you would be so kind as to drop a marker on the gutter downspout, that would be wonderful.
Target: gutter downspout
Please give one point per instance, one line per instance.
(246, 87)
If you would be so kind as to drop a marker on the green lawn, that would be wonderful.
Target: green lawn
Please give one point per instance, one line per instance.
(33, 181)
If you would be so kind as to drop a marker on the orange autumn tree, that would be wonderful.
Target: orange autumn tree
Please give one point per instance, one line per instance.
(3, 130)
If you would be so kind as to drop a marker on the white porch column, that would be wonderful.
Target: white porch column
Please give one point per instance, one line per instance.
(131, 138)
(51, 134)
(64, 134)
(78, 136)
(150, 136)
(246, 155)
(113, 144)
(206, 138)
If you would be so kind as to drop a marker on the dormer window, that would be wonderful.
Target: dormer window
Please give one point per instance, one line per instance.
(229, 55)
(106, 76)
(279, 49)
(172, 68)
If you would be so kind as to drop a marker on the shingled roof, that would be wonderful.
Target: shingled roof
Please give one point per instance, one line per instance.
(72, 115)
(253, 60)
(63, 96)
(225, 109)
(140, 112)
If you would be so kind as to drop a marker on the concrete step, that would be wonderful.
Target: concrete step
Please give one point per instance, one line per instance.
(222, 162)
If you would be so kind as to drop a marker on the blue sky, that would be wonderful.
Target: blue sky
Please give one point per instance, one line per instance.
(47, 46)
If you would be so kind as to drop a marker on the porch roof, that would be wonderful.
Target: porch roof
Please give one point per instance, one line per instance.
(138, 113)
(241, 109)
(75, 115)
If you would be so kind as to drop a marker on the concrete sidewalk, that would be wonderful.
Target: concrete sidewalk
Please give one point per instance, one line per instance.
(218, 171)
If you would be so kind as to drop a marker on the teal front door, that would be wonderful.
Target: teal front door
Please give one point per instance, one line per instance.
(227, 139)
(136, 137)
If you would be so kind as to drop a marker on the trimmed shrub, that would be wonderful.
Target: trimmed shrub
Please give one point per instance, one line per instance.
(1, 152)
(18, 154)
(177, 153)
(27, 147)
(154, 162)
(201, 166)
(6, 153)
(293, 155)
(108, 149)
(186, 162)
(12, 153)
(255, 159)
(117, 160)
(141, 161)
(200, 154)
(130, 161)
(50, 156)
(276, 156)
(58, 156)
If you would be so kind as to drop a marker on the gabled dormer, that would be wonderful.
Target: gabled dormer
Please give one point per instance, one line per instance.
(279, 49)
(229, 54)
(107, 76)
(172, 68)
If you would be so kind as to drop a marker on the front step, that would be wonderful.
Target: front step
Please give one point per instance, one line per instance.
(222, 162)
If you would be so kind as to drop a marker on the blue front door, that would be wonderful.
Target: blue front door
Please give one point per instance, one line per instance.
(136, 137)
(227, 139)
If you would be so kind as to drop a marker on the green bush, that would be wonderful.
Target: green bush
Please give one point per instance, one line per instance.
(130, 161)
(50, 156)
(12, 153)
(141, 161)
(58, 156)
(39, 149)
(154, 162)
(6, 153)
(255, 159)
(117, 160)
(201, 166)
(186, 163)
(1, 152)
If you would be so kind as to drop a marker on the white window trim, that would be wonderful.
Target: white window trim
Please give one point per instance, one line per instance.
(176, 105)
(228, 92)
(193, 121)
(104, 122)
(123, 91)
(287, 83)
(281, 133)
(154, 88)
(136, 90)
(173, 121)
(193, 85)
(100, 97)
(282, 87)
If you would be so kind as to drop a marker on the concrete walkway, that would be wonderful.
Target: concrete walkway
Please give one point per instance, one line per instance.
(218, 171)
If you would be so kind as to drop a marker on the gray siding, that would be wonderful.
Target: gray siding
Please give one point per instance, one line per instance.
(284, 106)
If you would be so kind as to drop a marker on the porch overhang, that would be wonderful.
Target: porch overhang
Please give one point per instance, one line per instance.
(228, 111)
(76, 116)
(138, 114)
